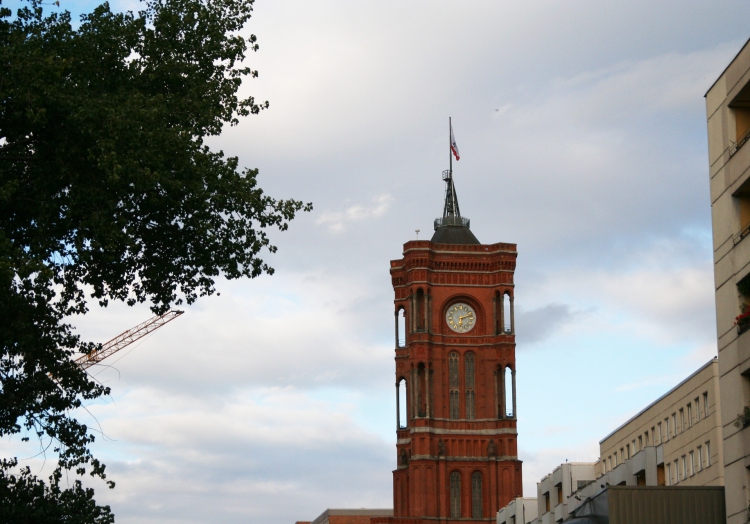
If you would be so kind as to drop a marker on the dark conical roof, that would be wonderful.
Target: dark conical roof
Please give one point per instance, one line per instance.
(452, 228)
(454, 235)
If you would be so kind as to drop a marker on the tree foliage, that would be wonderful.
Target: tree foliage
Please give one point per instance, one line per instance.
(109, 192)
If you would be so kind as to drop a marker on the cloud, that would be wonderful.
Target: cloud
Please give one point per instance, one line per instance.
(337, 221)
(541, 323)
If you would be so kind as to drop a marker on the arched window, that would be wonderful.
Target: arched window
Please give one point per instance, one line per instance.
(476, 495)
(507, 314)
(509, 400)
(401, 328)
(498, 313)
(453, 385)
(455, 495)
(469, 385)
(421, 391)
(420, 310)
(401, 408)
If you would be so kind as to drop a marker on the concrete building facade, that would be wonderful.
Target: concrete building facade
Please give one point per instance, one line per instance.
(520, 510)
(728, 118)
(676, 441)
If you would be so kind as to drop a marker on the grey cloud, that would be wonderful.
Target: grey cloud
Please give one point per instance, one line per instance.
(539, 324)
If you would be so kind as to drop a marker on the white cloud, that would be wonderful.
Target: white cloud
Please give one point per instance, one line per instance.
(338, 221)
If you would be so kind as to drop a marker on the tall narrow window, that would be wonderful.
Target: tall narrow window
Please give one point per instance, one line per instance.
(401, 407)
(705, 404)
(476, 495)
(455, 495)
(669, 474)
(661, 436)
(700, 458)
(690, 415)
(674, 424)
(469, 385)
(506, 313)
(453, 384)
(420, 310)
(708, 454)
(691, 464)
(509, 401)
(401, 328)
(697, 409)
(421, 391)
(682, 420)
(498, 313)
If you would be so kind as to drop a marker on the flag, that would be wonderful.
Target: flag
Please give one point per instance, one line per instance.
(454, 147)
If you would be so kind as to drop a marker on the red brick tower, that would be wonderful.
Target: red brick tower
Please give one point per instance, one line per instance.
(455, 357)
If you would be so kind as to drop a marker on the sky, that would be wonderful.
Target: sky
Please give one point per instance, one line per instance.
(581, 127)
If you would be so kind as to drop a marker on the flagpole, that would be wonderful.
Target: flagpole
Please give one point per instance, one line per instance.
(450, 145)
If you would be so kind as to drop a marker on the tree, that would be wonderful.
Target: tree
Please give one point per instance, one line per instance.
(108, 192)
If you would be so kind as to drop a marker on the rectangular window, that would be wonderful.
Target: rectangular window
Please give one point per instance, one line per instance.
(559, 494)
(690, 415)
(692, 463)
(708, 454)
(700, 458)
(669, 474)
(705, 404)
(661, 436)
(546, 502)
(676, 472)
(622, 455)
(640, 442)
(652, 433)
(666, 429)
(684, 467)
(674, 424)
(682, 420)
(615, 455)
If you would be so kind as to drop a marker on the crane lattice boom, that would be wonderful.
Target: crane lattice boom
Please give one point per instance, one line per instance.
(126, 338)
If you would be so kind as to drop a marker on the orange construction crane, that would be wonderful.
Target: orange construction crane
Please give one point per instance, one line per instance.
(126, 338)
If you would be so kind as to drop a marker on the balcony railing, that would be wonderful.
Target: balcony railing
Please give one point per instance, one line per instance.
(735, 146)
(452, 221)
(742, 234)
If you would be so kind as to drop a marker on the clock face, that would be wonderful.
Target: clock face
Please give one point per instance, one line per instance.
(460, 317)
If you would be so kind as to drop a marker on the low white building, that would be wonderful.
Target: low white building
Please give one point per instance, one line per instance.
(518, 511)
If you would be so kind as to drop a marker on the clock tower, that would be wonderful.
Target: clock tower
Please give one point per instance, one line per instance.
(457, 445)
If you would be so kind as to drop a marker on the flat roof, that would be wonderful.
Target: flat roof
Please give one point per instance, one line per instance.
(375, 512)
(665, 395)
(727, 67)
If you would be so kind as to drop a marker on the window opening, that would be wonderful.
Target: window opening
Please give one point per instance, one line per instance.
(421, 391)
(453, 385)
(401, 328)
(401, 408)
(455, 489)
(476, 495)
(506, 313)
(708, 454)
(420, 310)
(705, 404)
(509, 400)
(700, 458)
(469, 384)
(697, 409)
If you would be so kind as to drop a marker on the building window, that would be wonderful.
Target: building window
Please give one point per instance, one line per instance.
(692, 463)
(453, 385)
(546, 502)
(676, 471)
(682, 420)
(705, 404)
(708, 454)
(455, 495)
(684, 467)
(469, 384)
(669, 474)
(559, 494)
(640, 442)
(690, 415)
(666, 429)
(674, 424)
(697, 409)
(661, 436)
(700, 458)
(476, 495)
